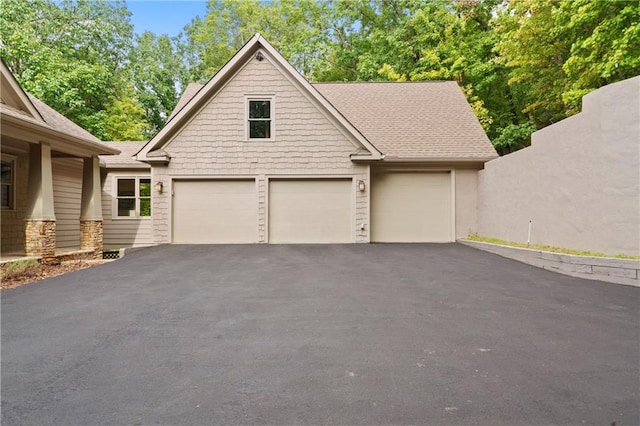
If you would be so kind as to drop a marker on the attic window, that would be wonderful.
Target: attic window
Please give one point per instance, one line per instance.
(260, 118)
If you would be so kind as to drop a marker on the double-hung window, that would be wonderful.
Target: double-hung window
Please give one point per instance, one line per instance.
(133, 197)
(7, 180)
(260, 118)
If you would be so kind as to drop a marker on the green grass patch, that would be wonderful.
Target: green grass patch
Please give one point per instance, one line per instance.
(19, 267)
(550, 248)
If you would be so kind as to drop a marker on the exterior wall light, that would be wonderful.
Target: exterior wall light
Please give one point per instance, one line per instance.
(159, 187)
(361, 186)
(259, 56)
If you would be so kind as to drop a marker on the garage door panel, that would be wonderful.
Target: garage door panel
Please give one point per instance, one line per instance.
(411, 207)
(215, 212)
(310, 211)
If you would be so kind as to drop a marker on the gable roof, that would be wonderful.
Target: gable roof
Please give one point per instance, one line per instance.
(126, 158)
(14, 96)
(246, 53)
(189, 92)
(412, 120)
(59, 122)
(29, 112)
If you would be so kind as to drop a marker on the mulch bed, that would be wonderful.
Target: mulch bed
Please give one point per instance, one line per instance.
(40, 272)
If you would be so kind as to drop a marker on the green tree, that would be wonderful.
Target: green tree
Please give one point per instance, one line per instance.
(70, 54)
(159, 73)
(297, 28)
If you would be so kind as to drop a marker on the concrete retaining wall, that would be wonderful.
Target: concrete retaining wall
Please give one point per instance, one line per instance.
(619, 271)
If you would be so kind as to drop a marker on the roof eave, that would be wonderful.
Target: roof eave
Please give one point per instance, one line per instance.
(225, 74)
(60, 140)
(389, 159)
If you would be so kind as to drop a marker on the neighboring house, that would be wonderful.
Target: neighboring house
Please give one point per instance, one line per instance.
(258, 154)
(126, 197)
(50, 198)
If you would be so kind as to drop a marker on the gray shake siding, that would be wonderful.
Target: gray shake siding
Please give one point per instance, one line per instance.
(213, 145)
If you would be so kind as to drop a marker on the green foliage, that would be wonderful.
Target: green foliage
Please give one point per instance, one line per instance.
(297, 28)
(69, 54)
(159, 74)
(513, 137)
(521, 64)
(125, 118)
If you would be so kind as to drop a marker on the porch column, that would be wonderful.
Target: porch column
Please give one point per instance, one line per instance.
(91, 233)
(40, 219)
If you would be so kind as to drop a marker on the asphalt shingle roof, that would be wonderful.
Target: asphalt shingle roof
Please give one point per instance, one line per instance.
(59, 122)
(411, 119)
(126, 158)
(430, 119)
(189, 92)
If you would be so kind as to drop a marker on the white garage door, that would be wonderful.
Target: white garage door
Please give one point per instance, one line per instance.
(215, 211)
(411, 207)
(310, 211)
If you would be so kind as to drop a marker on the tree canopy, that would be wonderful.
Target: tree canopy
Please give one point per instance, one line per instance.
(522, 64)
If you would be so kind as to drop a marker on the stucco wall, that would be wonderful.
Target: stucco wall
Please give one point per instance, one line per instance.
(579, 182)
(466, 204)
(213, 144)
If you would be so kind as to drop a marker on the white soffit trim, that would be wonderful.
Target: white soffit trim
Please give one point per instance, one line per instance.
(226, 73)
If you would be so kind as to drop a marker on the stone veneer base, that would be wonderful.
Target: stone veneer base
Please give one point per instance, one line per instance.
(91, 237)
(40, 240)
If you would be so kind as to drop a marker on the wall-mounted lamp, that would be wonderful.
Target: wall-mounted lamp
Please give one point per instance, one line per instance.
(361, 186)
(259, 56)
(159, 187)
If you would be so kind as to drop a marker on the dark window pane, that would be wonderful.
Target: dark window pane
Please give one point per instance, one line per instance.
(6, 172)
(145, 207)
(126, 207)
(5, 197)
(259, 109)
(259, 129)
(145, 187)
(126, 187)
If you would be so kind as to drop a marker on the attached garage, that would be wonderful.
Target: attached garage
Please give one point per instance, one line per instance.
(310, 211)
(411, 207)
(215, 211)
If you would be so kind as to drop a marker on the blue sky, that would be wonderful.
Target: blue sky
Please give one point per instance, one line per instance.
(164, 16)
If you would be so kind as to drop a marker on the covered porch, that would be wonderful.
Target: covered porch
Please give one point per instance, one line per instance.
(51, 189)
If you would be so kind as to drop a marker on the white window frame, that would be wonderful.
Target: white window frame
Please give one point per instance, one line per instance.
(12, 186)
(272, 116)
(114, 210)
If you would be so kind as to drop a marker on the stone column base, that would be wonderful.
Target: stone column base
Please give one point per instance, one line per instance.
(91, 237)
(40, 239)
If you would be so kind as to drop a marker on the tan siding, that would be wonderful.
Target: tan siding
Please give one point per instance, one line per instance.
(212, 144)
(67, 196)
(120, 233)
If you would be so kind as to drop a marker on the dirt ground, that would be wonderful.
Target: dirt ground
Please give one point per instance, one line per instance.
(40, 272)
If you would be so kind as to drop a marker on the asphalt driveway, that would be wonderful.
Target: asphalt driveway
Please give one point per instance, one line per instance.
(334, 334)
